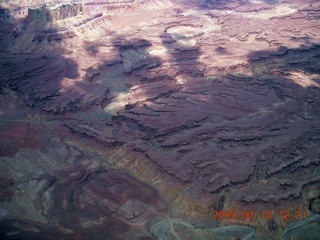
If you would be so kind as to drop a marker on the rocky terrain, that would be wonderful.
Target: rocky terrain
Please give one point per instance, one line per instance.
(139, 119)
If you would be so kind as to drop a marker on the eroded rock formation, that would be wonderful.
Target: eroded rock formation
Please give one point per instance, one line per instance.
(53, 13)
(138, 118)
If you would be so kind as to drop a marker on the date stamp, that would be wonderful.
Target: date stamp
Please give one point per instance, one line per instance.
(266, 214)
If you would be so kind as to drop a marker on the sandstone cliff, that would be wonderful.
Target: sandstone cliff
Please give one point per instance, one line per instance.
(48, 13)
(139, 119)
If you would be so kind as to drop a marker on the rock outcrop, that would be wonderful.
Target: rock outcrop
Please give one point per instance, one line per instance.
(139, 118)
(53, 13)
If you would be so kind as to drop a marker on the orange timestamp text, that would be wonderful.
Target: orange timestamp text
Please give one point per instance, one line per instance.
(266, 214)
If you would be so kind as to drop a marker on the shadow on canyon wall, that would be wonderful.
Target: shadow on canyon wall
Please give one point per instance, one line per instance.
(5, 18)
(54, 75)
(38, 75)
(52, 83)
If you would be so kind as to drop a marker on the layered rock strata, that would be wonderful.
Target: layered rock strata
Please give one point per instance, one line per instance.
(142, 123)
(53, 13)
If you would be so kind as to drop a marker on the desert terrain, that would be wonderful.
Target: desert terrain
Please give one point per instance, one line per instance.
(155, 119)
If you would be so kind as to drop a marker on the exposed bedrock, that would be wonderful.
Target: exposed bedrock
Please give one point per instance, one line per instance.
(138, 118)
(194, 125)
(78, 203)
(52, 13)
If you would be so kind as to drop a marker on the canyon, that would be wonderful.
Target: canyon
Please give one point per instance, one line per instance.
(138, 119)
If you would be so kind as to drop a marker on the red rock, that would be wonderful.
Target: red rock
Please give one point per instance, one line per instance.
(22, 135)
(119, 188)
(216, 98)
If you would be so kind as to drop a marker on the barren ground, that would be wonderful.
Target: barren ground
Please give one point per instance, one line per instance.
(139, 119)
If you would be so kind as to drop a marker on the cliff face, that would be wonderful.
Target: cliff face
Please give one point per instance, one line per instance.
(131, 119)
(53, 13)
(49, 27)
